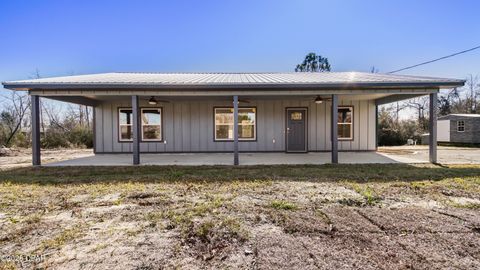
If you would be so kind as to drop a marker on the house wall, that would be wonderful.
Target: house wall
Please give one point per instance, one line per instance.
(188, 126)
(471, 133)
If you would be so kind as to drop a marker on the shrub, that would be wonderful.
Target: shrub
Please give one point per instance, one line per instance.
(390, 137)
(81, 136)
(54, 139)
(392, 132)
(22, 140)
(78, 136)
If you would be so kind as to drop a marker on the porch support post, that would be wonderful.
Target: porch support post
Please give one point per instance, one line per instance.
(235, 130)
(432, 146)
(376, 127)
(334, 129)
(136, 130)
(35, 130)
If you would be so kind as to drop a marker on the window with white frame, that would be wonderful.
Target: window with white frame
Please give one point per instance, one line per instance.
(345, 123)
(224, 124)
(151, 124)
(125, 119)
(461, 126)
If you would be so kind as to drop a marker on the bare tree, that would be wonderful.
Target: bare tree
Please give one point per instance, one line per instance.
(13, 115)
(54, 115)
(420, 104)
(447, 101)
(397, 108)
(473, 91)
(87, 115)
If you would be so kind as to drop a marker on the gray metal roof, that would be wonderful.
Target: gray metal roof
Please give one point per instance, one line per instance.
(329, 80)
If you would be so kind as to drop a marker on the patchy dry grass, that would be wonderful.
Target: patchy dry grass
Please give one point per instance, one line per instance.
(283, 205)
(327, 172)
(472, 206)
(243, 217)
(59, 240)
(368, 193)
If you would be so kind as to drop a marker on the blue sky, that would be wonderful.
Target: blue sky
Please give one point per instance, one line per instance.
(79, 37)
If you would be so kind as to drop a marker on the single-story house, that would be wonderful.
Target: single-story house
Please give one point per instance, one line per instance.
(233, 112)
(459, 128)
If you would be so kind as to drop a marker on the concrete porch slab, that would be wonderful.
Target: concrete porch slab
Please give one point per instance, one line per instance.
(197, 159)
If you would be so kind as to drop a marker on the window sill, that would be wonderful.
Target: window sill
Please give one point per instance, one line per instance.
(251, 140)
(142, 141)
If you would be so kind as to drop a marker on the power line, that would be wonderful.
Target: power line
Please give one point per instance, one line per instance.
(434, 60)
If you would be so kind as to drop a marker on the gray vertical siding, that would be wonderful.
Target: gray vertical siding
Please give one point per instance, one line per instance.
(188, 126)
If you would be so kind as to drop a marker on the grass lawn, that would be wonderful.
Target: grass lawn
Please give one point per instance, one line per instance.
(261, 217)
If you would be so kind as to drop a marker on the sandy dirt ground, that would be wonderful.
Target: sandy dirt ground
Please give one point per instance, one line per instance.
(23, 157)
(263, 224)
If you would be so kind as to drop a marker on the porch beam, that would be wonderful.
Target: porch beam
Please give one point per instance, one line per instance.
(35, 100)
(136, 130)
(76, 100)
(432, 146)
(235, 130)
(334, 129)
(395, 98)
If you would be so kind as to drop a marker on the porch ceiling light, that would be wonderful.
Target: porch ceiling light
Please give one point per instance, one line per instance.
(152, 101)
(318, 100)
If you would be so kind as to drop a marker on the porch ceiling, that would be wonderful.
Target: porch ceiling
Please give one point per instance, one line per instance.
(251, 97)
(94, 100)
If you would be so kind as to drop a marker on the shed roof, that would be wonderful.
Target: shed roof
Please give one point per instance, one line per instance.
(331, 80)
(460, 115)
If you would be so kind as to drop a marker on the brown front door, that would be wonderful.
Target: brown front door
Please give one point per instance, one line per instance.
(296, 132)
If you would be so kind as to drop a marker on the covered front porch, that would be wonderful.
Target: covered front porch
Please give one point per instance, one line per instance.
(321, 139)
